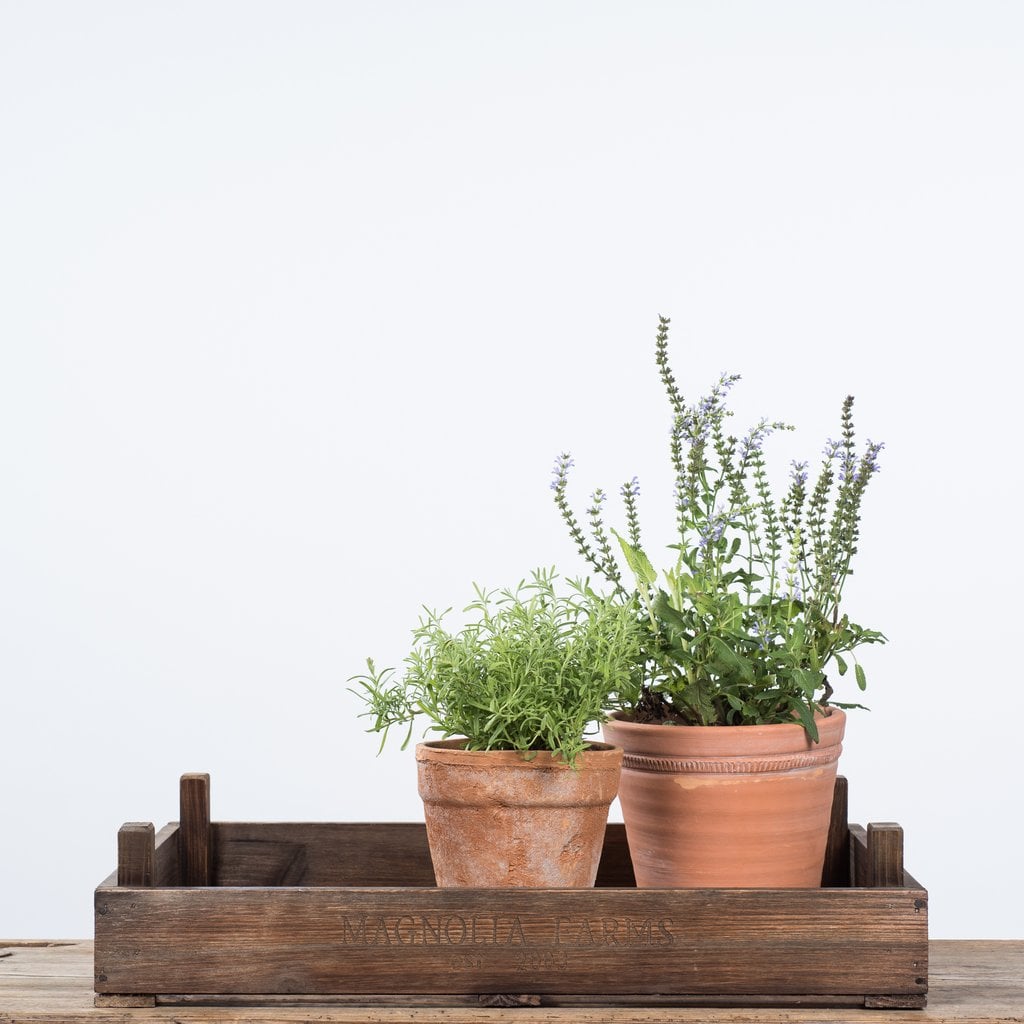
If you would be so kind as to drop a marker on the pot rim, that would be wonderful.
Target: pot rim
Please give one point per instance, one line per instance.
(622, 718)
(724, 740)
(597, 755)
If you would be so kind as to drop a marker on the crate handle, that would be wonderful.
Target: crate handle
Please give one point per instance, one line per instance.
(877, 855)
(136, 854)
(194, 832)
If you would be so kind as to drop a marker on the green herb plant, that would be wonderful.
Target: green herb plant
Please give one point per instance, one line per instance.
(530, 673)
(742, 626)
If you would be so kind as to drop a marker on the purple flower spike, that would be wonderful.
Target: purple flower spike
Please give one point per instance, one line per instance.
(631, 489)
(560, 470)
(711, 532)
(871, 456)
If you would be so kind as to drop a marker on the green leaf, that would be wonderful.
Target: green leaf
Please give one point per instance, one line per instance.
(734, 702)
(637, 561)
(732, 659)
(807, 681)
(846, 707)
(806, 719)
(862, 681)
(670, 616)
(840, 664)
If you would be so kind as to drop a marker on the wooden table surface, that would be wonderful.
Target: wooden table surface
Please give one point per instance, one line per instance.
(51, 982)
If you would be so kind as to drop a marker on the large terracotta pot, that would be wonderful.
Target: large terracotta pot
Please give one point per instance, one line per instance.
(727, 806)
(497, 820)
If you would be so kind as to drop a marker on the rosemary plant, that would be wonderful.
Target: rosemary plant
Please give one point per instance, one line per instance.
(530, 673)
(741, 628)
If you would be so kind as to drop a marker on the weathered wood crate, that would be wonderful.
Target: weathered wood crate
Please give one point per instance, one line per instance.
(229, 913)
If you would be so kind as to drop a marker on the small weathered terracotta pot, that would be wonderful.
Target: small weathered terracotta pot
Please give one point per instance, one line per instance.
(497, 820)
(727, 806)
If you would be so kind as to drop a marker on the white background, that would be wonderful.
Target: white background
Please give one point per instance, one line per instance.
(298, 301)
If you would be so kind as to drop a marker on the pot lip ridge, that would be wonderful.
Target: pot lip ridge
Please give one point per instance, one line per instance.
(597, 756)
(724, 740)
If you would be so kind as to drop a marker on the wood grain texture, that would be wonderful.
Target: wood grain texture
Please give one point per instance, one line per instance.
(860, 866)
(195, 833)
(307, 910)
(322, 854)
(972, 983)
(136, 853)
(165, 859)
(616, 868)
(167, 862)
(885, 854)
(425, 940)
(560, 999)
(124, 1001)
(877, 852)
(836, 869)
(353, 854)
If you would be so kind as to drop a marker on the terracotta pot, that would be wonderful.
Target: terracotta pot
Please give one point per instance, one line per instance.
(496, 820)
(729, 805)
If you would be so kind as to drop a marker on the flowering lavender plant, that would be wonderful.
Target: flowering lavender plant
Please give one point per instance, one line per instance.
(742, 627)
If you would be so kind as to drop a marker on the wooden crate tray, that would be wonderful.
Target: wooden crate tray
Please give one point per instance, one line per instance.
(271, 914)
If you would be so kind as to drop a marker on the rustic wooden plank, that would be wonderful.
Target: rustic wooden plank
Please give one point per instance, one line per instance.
(195, 832)
(166, 862)
(124, 1001)
(561, 1000)
(860, 867)
(491, 946)
(361, 854)
(45, 959)
(261, 862)
(885, 854)
(411, 940)
(836, 870)
(971, 978)
(973, 982)
(507, 1000)
(895, 1002)
(616, 866)
(135, 853)
(322, 854)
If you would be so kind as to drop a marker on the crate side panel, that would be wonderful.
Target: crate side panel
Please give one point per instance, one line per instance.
(168, 870)
(335, 855)
(166, 861)
(320, 940)
(322, 854)
(616, 866)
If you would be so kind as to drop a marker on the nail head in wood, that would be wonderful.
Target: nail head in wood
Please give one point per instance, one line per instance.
(136, 854)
